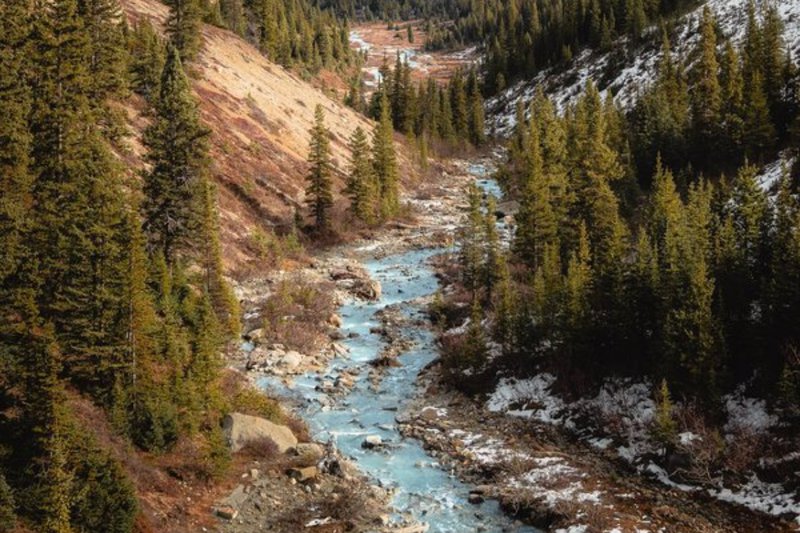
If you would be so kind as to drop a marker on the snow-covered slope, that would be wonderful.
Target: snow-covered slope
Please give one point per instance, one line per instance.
(627, 77)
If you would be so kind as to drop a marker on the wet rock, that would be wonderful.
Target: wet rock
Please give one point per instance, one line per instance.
(241, 429)
(372, 442)
(475, 498)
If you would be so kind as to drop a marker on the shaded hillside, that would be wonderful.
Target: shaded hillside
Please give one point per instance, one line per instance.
(260, 115)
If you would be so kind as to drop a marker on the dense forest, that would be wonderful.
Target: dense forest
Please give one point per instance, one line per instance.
(645, 244)
(521, 37)
(447, 115)
(111, 286)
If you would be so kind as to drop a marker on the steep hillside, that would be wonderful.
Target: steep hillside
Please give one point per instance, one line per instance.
(627, 69)
(260, 115)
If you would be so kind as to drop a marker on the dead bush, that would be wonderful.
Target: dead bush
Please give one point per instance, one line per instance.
(294, 312)
(696, 459)
(263, 449)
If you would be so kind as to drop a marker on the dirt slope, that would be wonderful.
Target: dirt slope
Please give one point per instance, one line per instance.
(260, 115)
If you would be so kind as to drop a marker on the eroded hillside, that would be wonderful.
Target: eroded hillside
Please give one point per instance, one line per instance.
(260, 115)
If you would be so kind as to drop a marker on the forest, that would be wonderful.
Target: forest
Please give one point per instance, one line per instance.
(645, 243)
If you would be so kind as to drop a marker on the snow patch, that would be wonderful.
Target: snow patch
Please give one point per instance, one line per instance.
(747, 415)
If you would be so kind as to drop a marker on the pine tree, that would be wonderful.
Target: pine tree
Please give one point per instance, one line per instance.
(733, 101)
(78, 217)
(471, 253)
(221, 295)
(477, 136)
(102, 23)
(492, 248)
(183, 27)
(146, 60)
(177, 153)
(760, 134)
(505, 308)
(665, 429)
(15, 176)
(7, 517)
(361, 180)
(536, 223)
(707, 94)
(384, 162)
(319, 194)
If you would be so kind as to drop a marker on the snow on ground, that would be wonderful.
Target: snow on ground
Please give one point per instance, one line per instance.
(641, 64)
(622, 413)
(747, 414)
(770, 176)
(528, 398)
(770, 498)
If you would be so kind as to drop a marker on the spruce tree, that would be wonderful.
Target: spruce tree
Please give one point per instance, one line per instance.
(177, 153)
(15, 140)
(384, 162)
(319, 195)
(536, 222)
(147, 56)
(219, 292)
(477, 136)
(183, 27)
(707, 94)
(78, 217)
(361, 179)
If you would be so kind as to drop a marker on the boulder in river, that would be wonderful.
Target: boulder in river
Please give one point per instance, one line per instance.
(241, 429)
(372, 442)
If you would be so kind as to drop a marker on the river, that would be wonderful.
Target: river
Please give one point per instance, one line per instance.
(423, 490)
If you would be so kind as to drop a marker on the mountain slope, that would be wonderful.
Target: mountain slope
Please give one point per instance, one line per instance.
(627, 69)
(260, 115)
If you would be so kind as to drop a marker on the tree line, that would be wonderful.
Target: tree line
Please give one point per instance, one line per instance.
(622, 269)
(111, 286)
(293, 33)
(430, 113)
(373, 177)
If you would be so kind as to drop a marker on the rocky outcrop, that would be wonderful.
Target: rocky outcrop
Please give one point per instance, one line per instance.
(356, 280)
(241, 430)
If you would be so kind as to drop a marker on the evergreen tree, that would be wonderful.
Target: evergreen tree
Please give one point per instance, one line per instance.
(107, 62)
(319, 194)
(183, 27)
(146, 60)
(15, 140)
(536, 223)
(707, 94)
(361, 180)
(477, 136)
(78, 215)
(471, 252)
(177, 153)
(220, 294)
(7, 517)
(384, 162)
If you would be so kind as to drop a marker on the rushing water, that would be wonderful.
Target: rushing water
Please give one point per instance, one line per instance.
(422, 488)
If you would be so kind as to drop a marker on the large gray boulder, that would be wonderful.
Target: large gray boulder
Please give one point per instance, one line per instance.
(242, 429)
